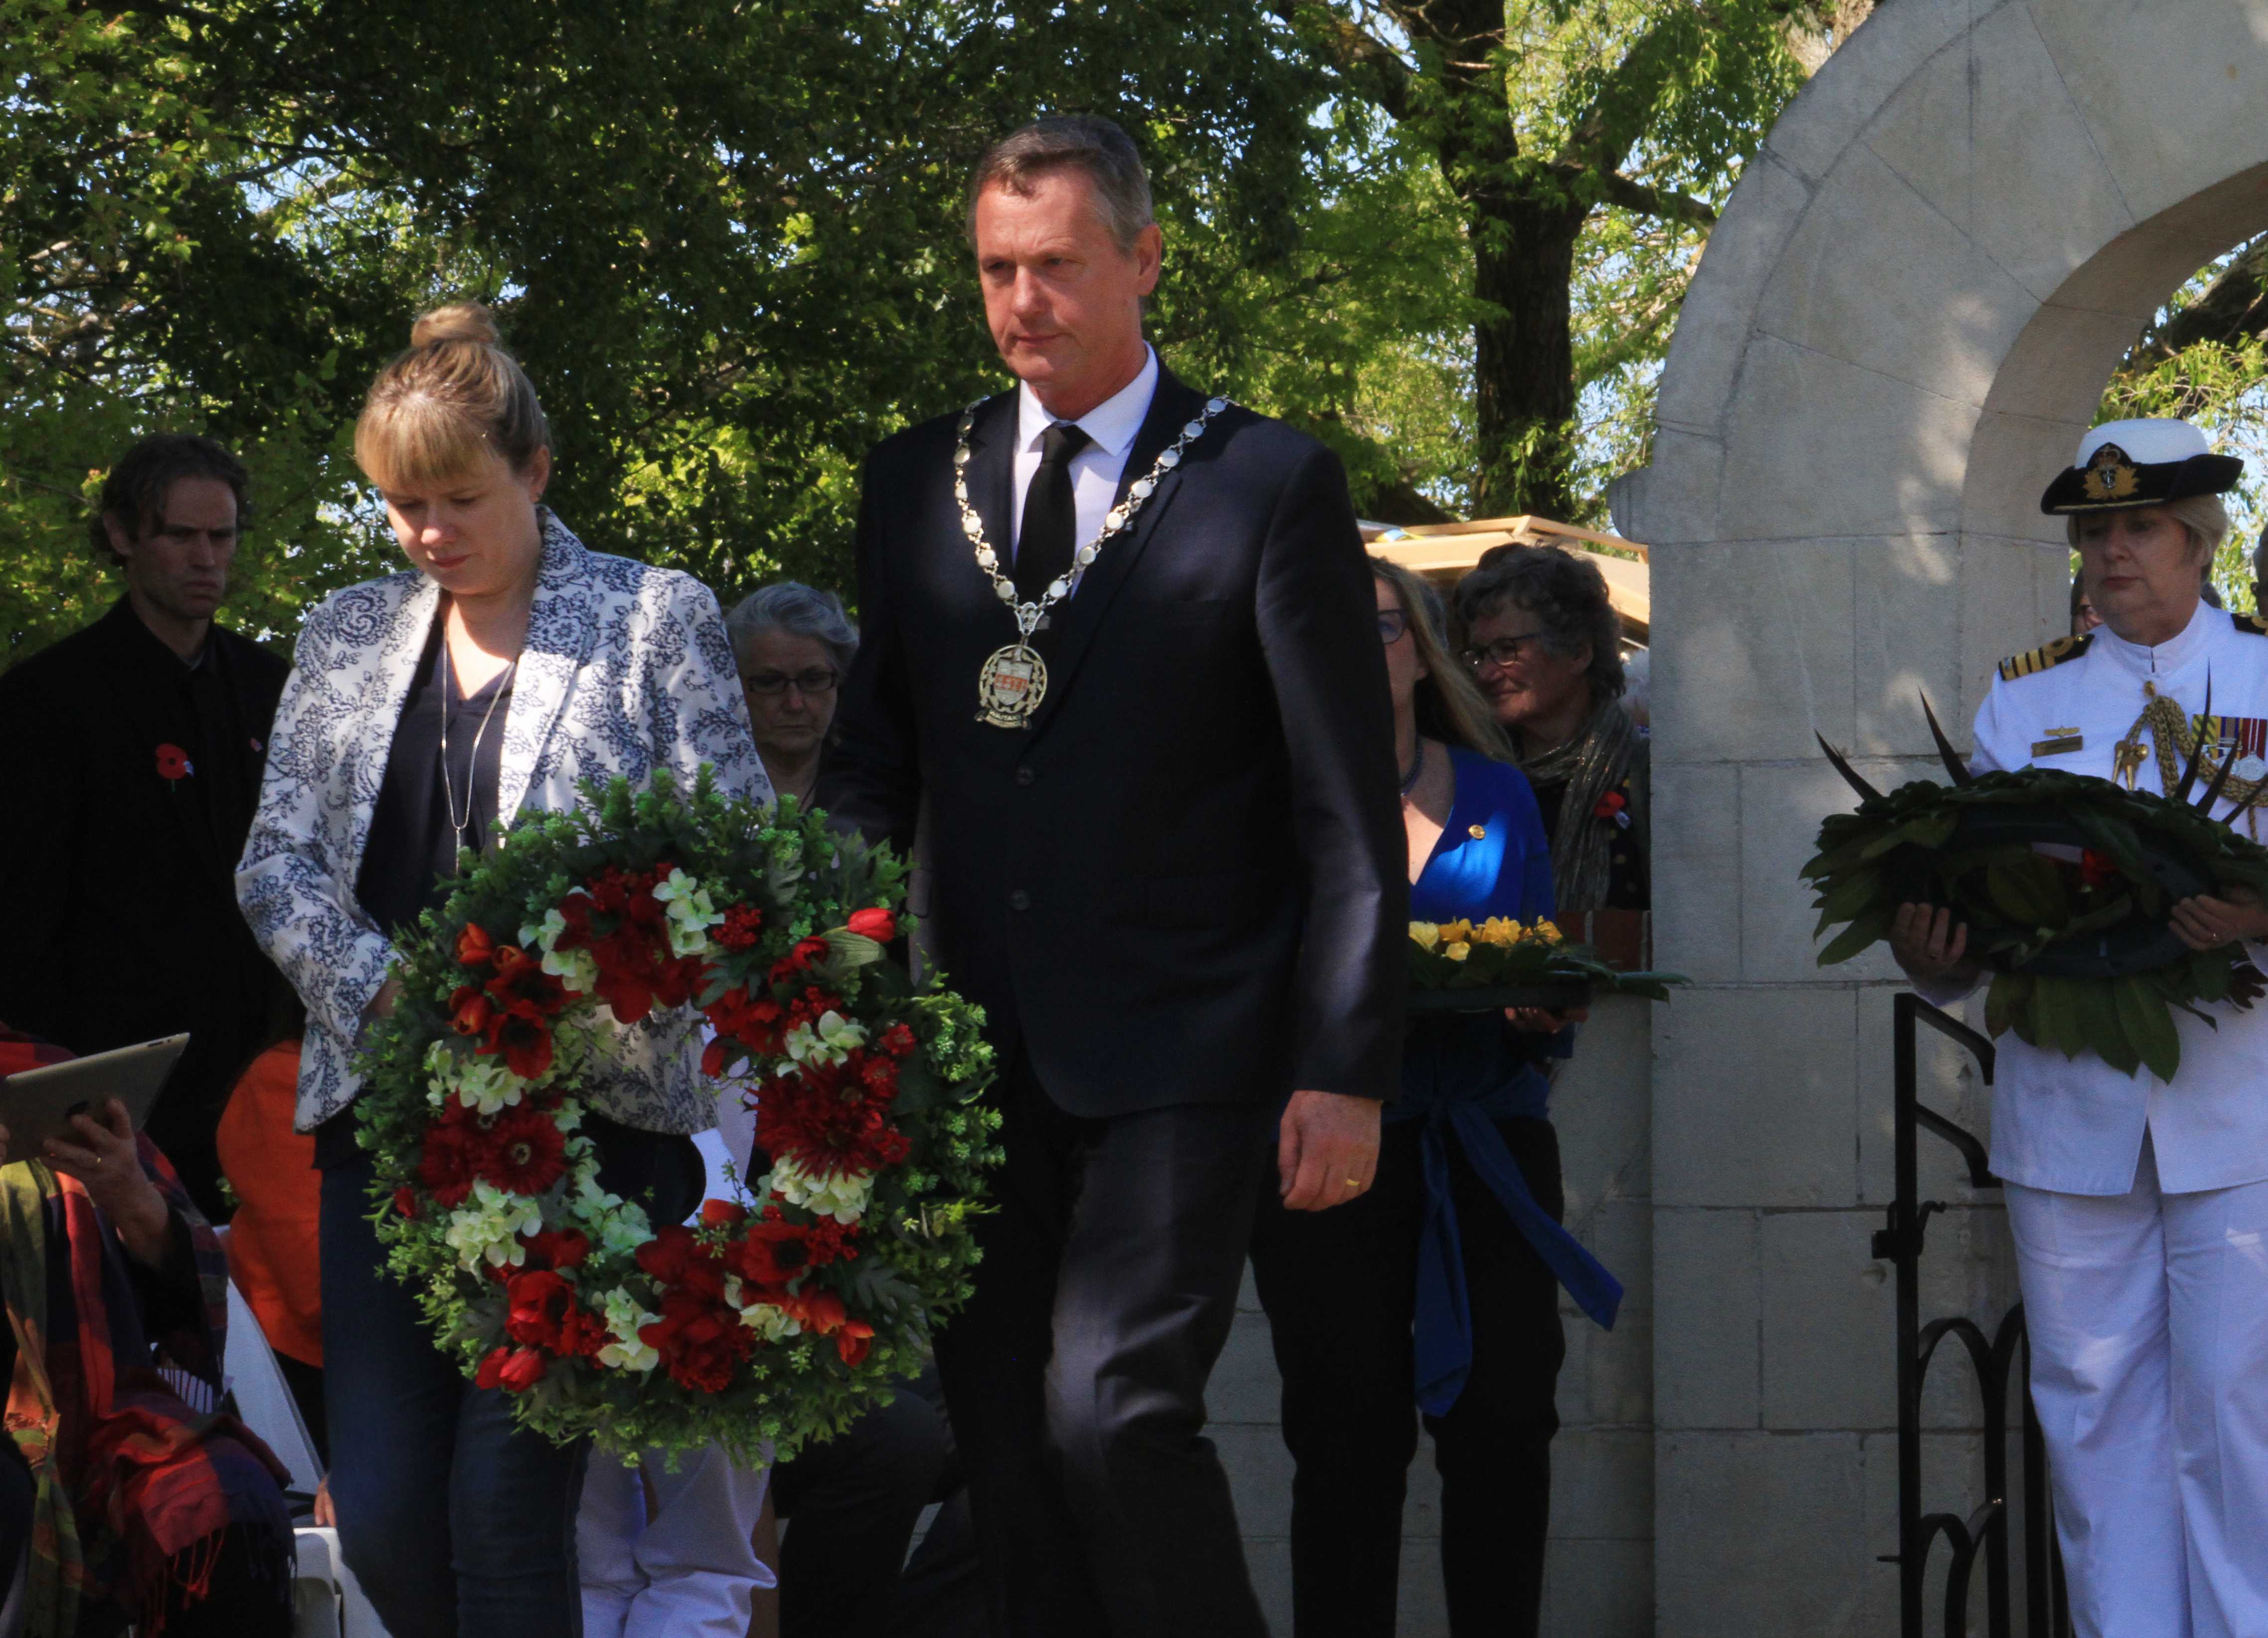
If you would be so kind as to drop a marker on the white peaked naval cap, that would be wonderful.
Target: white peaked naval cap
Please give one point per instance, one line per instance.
(2149, 443)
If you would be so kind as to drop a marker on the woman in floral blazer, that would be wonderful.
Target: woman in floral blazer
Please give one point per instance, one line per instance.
(424, 710)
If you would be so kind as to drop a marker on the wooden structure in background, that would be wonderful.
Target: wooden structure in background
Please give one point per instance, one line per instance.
(1442, 552)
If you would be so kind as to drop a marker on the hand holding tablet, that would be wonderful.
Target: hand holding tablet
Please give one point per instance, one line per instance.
(80, 1116)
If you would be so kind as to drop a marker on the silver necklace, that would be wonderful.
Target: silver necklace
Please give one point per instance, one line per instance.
(1013, 680)
(472, 777)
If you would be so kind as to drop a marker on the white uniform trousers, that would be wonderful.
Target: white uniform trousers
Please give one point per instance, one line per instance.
(2148, 1317)
(687, 1571)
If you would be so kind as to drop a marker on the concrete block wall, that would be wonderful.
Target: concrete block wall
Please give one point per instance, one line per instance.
(1599, 1576)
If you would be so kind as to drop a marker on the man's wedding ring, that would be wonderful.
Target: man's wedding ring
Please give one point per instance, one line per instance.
(1354, 1183)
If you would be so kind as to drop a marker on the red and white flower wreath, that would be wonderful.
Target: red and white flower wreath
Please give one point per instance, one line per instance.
(618, 930)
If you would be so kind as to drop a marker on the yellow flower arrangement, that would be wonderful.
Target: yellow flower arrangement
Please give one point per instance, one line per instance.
(1504, 954)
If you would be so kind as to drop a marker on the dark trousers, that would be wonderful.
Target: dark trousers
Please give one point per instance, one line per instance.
(851, 1504)
(1339, 1289)
(1076, 1376)
(455, 1520)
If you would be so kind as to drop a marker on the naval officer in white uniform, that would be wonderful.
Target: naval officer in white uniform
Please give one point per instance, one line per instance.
(2139, 1209)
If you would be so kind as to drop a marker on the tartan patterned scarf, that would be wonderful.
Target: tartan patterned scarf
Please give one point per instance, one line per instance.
(136, 1490)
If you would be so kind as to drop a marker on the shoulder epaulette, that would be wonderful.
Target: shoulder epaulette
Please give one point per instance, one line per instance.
(2251, 624)
(2041, 659)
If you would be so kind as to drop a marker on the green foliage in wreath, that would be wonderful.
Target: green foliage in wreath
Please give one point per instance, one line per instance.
(782, 1315)
(2057, 876)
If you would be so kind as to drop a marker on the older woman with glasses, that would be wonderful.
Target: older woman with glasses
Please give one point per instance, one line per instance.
(1437, 1288)
(792, 643)
(1545, 643)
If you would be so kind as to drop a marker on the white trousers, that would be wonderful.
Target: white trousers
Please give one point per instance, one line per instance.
(2148, 1315)
(689, 1571)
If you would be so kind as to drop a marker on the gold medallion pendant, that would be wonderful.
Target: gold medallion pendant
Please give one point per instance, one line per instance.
(1013, 680)
(1010, 686)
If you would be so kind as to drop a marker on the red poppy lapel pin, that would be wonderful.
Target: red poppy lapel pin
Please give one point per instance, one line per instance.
(174, 762)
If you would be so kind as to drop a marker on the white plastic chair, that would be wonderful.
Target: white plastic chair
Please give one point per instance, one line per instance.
(327, 1601)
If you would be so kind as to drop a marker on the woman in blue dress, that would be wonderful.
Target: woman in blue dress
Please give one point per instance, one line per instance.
(1437, 1291)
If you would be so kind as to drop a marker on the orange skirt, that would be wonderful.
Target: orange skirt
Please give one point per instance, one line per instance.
(273, 1250)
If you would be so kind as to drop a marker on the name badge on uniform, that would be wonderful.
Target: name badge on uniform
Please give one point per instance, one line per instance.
(2060, 742)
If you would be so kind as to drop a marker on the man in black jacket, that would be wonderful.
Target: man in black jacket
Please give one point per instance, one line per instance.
(1158, 765)
(132, 753)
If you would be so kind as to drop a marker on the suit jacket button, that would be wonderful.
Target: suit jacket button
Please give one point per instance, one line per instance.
(1019, 900)
(1023, 773)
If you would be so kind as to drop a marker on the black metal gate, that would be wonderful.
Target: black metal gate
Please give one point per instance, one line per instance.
(1998, 1363)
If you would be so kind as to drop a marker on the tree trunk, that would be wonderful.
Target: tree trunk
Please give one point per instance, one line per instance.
(1523, 353)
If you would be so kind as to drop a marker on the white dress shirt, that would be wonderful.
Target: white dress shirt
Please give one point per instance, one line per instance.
(2076, 1126)
(1095, 470)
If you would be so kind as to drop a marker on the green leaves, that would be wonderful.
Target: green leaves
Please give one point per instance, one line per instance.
(1990, 850)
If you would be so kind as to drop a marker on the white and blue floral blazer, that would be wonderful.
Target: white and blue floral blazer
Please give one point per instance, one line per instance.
(626, 669)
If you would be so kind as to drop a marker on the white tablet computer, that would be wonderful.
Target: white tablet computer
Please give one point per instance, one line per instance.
(36, 1104)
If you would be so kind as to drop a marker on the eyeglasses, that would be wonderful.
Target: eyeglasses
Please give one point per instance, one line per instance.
(1500, 653)
(1392, 622)
(818, 680)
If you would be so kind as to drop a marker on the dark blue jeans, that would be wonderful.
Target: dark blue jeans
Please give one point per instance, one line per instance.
(454, 1519)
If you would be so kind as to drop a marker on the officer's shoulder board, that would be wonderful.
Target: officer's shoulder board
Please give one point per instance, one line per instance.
(2045, 657)
(2251, 624)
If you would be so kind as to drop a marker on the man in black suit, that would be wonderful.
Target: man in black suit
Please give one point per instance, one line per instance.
(1167, 861)
(132, 753)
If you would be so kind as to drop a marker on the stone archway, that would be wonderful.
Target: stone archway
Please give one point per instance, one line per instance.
(1902, 324)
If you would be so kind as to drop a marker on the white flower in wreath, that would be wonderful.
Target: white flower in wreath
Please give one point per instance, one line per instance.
(624, 1315)
(842, 1198)
(441, 1069)
(486, 1086)
(771, 1322)
(487, 1228)
(618, 1225)
(691, 914)
(830, 1041)
(576, 969)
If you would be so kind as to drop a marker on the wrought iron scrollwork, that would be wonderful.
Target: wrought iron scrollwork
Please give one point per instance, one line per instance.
(1998, 1363)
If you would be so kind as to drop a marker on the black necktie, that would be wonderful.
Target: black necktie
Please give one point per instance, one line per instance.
(1043, 545)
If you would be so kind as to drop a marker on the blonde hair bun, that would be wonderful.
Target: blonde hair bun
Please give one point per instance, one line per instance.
(459, 321)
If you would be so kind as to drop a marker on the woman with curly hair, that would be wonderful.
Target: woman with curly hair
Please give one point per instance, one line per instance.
(1543, 642)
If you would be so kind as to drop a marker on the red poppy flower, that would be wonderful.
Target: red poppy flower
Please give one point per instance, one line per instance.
(2095, 868)
(537, 1300)
(774, 1253)
(699, 1341)
(174, 762)
(878, 925)
(1611, 805)
(680, 1263)
(556, 1248)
